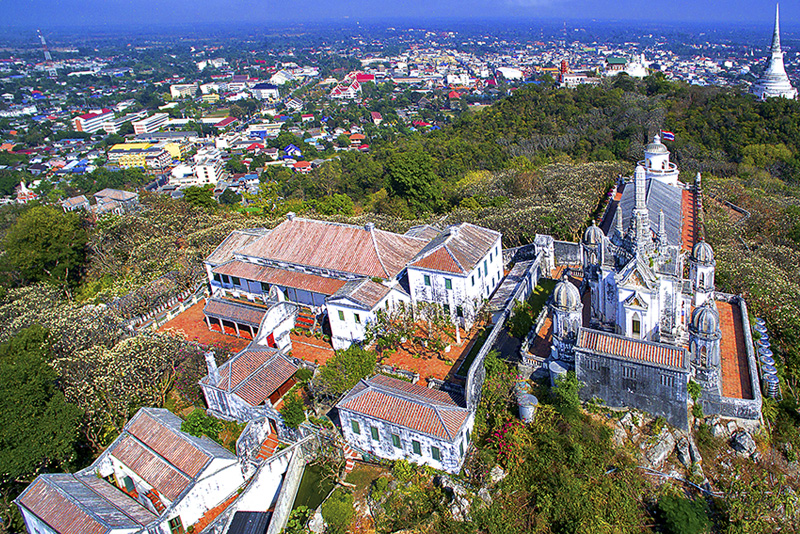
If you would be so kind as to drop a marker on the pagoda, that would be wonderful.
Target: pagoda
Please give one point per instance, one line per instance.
(774, 82)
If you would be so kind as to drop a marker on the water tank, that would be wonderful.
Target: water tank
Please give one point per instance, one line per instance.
(557, 369)
(760, 328)
(765, 351)
(763, 343)
(760, 321)
(527, 407)
(769, 370)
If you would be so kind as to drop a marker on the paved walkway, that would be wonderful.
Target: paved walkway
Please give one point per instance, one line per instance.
(733, 352)
(191, 325)
(689, 229)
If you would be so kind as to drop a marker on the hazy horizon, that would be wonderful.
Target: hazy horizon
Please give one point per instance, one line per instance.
(100, 14)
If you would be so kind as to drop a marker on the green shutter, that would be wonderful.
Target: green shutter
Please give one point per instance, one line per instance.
(341, 315)
(448, 284)
(396, 441)
(436, 454)
(355, 427)
(417, 447)
(374, 431)
(427, 280)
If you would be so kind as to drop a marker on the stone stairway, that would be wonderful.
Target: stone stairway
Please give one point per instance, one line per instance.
(269, 447)
(350, 458)
(154, 498)
(306, 320)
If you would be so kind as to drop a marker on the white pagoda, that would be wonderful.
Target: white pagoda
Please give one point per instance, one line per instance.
(774, 82)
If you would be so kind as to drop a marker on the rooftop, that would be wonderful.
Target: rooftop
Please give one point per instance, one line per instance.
(659, 354)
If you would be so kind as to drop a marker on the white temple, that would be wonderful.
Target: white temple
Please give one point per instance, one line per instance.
(774, 82)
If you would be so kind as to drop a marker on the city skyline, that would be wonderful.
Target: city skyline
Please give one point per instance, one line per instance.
(96, 13)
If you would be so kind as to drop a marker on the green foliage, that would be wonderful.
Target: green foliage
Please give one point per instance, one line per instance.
(338, 512)
(342, 372)
(46, 244)
(200, 196)
(296, 524)
(411, 177)
(494, 365)
(293, 410)
(682, 516)
(521, 321)
(566, 397)
(229, 196)
(199, 423)
(38, 427)
(403, 471)
(303, 375)
(335, 204)
(695, 390)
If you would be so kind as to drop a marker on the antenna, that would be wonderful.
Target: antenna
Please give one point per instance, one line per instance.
(48, 59)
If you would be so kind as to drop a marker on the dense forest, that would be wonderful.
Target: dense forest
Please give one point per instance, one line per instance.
(539, 161)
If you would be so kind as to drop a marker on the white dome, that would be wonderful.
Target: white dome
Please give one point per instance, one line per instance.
(703, 253)
(656, 147)
(593, 235)
(566, 295)
(705, 320)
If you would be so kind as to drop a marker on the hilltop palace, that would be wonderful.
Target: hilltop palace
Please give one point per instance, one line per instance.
(640, 317)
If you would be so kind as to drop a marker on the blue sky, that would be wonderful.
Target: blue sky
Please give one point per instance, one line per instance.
(99, 13)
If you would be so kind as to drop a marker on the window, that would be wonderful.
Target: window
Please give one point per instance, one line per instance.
(175, 525)
(427, 280)
(448, 284)
(217, 277)
(473, 280)
(356, 428)
(436, 454)
(466, 433)
(265, 287)
(668, 380)
(225, 279)
(236, 281)
(593, 365)
(396, 441)
(628, 372)
(605, 376)
(374, 431)
(461, 448)
(459, 311)
(417, 447)
(486, 267)
(636, 327)
(446, 308)
(357, 317)
(128, 483)
(341, 315)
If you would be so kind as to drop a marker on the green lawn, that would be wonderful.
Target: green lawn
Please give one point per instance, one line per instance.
(476, 348)
(540, 294)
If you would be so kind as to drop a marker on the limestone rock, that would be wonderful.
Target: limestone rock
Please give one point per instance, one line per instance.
(684, 454)
(316, 524)
(694, 452)
(485, 496)
(497, 474)
(661, 449)
(719, 431)
(619, 436)
(743, 443)
(460, 503)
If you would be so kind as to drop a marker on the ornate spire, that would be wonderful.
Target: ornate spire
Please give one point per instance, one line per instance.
(662, 227)
(620, 228)
(776, 35)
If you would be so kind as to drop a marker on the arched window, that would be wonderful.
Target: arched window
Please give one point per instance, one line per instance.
(636, 326)
(703, 356)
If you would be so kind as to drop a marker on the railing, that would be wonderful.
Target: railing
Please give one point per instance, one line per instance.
(160, 315)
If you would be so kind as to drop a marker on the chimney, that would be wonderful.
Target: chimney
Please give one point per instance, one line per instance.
(290, 216)
(211, 364)
(369, 227)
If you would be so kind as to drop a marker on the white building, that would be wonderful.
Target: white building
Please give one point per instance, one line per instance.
(182, 90)
(266, 91)
(150, 124)
(394, 419)
(92, 122)
(774, 82)
(153, 478)
(458, 269)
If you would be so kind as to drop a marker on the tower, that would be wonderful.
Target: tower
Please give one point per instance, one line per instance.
(567, 315)
(701, 273)
(774, 82)
(641, 238)
(656, 163)
(704, 336)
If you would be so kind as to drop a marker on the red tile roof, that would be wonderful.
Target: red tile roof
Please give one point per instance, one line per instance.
(157, 472)
(424, 410)
(234, 311)
(53, 508)
(254, 375)
(294, 279)
(338, 247)
(632, 349)
(364, 292)
(235, 240)
(169, 444)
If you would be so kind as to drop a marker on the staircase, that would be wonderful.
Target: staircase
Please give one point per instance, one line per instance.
(154, 498)
(350, 458)
(306, 320)
(269, 447)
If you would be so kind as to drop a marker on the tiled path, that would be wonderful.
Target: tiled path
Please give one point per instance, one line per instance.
(191, 325)
(735, 371)
(689, 230)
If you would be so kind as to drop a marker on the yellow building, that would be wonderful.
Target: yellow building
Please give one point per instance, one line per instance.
(211, 98)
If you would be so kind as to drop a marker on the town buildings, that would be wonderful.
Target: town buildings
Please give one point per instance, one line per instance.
(150, 124)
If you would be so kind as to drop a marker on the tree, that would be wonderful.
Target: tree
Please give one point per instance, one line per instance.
(229, 196)
(343, 371)
(293, 410)
(338, 512)
(411, 177)
(38, 427)
(200, 196)
(46, 244)
(334, 204)
(682, 516)
(199, 423)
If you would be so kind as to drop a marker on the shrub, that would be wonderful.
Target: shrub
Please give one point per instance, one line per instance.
(694, 390)
(198, 423)
(293, 410)
(338, 512)
(682, 516)
(296, 524)
(566, 395)
(304, 375)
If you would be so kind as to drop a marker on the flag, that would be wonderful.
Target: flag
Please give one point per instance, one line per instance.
(667, 136)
